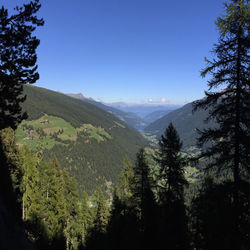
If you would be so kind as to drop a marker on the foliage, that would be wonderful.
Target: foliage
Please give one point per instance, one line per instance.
(171, 192)
(18, 60)
(211, 213)
(229, 107)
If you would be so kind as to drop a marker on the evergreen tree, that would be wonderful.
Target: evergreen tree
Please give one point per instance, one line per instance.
(143, 199)
(87, 218)
(211, 213)
(173, 220)
(171, 166)
(10, 150)
(97, 237)
(122, 228)
(29, 184)
(123, 191)
(101, 220)
(18, 59)
(229, 142)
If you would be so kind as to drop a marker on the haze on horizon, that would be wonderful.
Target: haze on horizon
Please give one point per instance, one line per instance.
(134, 51)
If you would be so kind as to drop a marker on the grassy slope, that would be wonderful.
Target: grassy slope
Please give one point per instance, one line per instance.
(92, 160)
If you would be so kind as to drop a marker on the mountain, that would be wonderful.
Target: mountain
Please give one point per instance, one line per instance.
(80, 96)
(141, 110)
(155, 115)
(89, 142)
(130, 118)
(185, 121)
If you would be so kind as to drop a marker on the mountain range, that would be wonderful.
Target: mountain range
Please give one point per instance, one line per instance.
(135, 115)
(130, 118)
(142, 110)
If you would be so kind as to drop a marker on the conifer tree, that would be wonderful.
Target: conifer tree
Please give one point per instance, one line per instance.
(173, 219)
(97, 236)
(229, 142)
(142, 194)
(87, 218)
(122, 228)
(211, 213)
(123, 191)
(10, 171)
(171, 166)
(143, 199)
(29, 185)
(18, 59)
(101, 220)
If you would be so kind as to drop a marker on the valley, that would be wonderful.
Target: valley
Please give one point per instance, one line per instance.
(135, 170)
(88, 141)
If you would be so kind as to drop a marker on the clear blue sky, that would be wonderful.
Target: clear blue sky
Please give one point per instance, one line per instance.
(126, 50)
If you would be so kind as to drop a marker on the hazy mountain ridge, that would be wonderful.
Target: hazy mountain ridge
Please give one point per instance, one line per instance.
(130, 118)
(142, 110)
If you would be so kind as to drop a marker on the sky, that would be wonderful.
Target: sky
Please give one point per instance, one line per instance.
(137, 51)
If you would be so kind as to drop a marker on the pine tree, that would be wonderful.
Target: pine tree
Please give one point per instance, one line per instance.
(87, 219)
(211, 214)
(143, 199)
(122, 228)
(10, 171)
(18, 60)
(171, 166)
(123, 191)
(229, 143)
(97, 236)
(101, 220)
(29, 185)
(173, 220)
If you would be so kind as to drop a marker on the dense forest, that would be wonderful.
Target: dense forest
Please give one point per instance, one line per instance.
(153, 206)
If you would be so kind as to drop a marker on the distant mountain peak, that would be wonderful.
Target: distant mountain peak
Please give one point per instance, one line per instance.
(80, 96)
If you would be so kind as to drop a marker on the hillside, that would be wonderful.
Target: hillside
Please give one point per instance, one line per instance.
(88, 141)
(155, 115)
(130, 118)
(185, 122)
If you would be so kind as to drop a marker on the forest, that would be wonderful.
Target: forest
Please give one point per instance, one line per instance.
(153, 205)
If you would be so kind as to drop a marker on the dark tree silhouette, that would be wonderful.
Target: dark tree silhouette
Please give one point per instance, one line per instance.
(211, 213)
(229, 142)
(143, 199)
(173, 221)
(171, 165)
(123, 224)
(18, 60)
(17, 67)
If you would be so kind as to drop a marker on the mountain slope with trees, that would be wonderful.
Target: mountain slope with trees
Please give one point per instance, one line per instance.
(185, 121)
(93, 162)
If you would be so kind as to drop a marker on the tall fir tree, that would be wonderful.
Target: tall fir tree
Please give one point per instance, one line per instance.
(122, 228)
(171, 166)
(101, 220)
(173, 230)
(229, 143)
(18, 60)
(97, 237)
(143, 199)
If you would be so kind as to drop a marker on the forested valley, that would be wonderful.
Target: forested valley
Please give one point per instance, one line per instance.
(153, 205)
